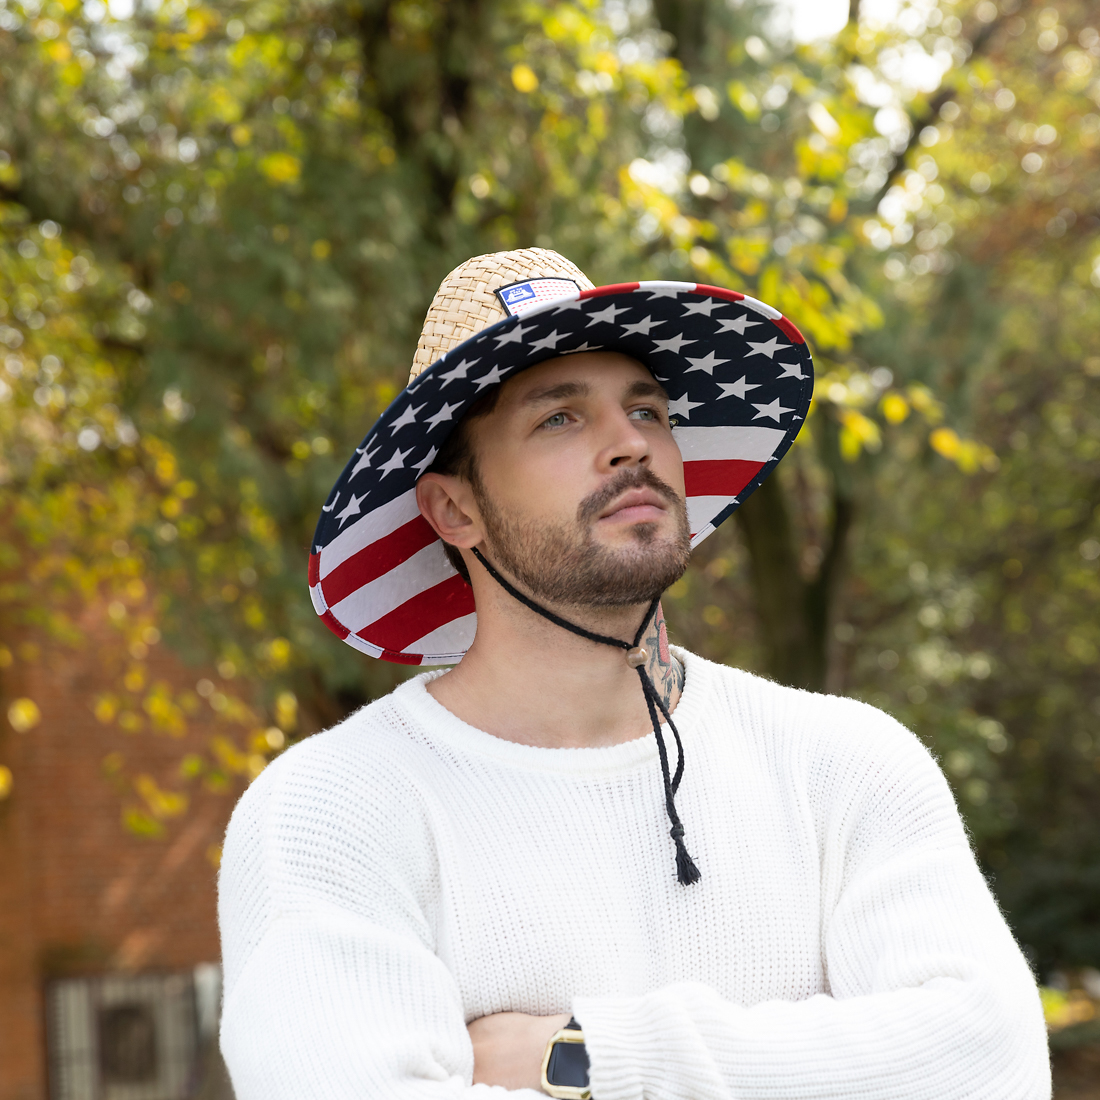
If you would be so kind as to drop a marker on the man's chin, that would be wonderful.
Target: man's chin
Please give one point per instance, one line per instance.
(611, 534)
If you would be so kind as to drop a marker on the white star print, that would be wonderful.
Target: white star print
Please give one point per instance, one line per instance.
(352, 508)
(364, 461)
(329, 507)
(681, 406)
(575, 304)
(426, 461)
(445, 413)
(458, 371)
(664, 292)
(607, 315)
(768, 348)
(489, 379)
(549, 341)
(674, 343)
(586, 346)
(738, 324)
(642, 326)
(772, 409)
(405, 419)
(514, 337)
(395, 462)
(738, 389)
(792, 370)
(707, 363)
(704, 307)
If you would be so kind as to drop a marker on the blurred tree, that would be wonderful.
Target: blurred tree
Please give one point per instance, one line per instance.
(971, 608)
(274, 189)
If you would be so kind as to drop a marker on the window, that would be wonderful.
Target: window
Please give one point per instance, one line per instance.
(130, 1037)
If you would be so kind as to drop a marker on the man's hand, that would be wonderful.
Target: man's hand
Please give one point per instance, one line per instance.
(508, 1048)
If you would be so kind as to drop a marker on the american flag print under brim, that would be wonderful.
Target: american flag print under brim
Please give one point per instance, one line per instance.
(739, 378)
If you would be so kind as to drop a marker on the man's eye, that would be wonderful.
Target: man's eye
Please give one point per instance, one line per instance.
(555, 421)
(644, 414)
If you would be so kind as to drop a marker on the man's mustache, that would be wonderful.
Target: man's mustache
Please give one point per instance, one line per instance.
(640, 477)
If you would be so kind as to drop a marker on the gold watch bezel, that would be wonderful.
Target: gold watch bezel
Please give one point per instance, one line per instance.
(563, 1092)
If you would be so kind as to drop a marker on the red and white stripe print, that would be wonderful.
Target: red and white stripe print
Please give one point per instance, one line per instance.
(718, 464)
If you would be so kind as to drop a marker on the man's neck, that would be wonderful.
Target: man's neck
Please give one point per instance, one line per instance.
(527, 680)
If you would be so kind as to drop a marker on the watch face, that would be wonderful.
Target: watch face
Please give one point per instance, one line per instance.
(568, 1065)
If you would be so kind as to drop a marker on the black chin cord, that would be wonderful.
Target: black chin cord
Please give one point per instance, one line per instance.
(686, 871)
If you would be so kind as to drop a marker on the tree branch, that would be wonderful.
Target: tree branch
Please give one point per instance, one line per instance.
(931, 111)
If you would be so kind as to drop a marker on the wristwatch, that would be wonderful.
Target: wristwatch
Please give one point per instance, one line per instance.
(565, 1064)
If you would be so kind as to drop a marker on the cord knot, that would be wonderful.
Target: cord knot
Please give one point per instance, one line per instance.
(676, 832)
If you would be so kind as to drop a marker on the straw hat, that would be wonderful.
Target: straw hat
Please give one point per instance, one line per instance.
(739, 378)
(466, 301)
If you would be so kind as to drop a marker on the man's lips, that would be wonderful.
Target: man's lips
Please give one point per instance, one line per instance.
(636, 505)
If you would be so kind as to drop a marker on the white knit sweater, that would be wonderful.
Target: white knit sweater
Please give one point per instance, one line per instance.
(391, 879)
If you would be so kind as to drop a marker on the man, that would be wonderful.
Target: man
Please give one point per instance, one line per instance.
(578, 841)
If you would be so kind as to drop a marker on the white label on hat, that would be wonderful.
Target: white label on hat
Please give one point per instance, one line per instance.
(518, 298)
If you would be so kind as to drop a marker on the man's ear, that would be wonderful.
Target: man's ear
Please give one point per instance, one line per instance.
(447, 503)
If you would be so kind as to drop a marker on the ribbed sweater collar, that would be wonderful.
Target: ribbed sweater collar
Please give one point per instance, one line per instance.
(440, 726)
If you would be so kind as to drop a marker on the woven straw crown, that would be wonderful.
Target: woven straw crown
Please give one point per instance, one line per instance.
(465, 303)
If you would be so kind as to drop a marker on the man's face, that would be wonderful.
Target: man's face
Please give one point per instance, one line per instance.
(580, 484)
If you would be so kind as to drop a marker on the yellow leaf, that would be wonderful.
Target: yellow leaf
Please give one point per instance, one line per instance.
(166, 469)
(6, 782)
(24, 715)
(921, 398)
(278, 652)
(139, 823)
(945, 441)
(838, 209)
(286, 710)
(856, 433)
(106, 707)
(161, 803)
(524, 78)
(281, 167)
(849, 444)
(894, 407)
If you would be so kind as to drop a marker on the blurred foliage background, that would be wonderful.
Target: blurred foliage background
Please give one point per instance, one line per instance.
(220, 227)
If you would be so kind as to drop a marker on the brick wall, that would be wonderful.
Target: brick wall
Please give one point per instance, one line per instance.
(79, 894)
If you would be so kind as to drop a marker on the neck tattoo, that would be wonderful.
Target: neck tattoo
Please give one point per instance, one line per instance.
(664, 669)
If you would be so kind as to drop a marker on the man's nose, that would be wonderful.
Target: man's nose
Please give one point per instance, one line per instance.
(626, 445)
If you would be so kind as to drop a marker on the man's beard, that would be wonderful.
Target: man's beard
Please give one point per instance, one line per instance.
(563, 563)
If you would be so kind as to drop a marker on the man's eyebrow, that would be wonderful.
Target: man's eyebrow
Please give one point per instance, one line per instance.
(646, 389)
(557, 393)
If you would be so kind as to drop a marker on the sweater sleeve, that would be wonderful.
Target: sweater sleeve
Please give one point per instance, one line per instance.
(332, 989)
(929, 995)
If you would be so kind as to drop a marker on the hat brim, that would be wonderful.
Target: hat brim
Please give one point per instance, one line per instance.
(739, 378)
